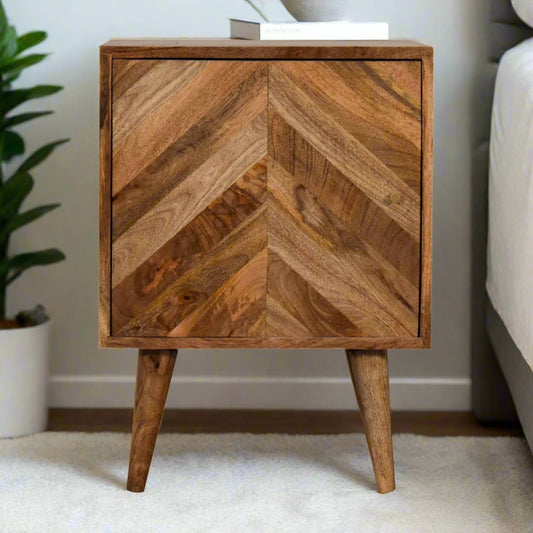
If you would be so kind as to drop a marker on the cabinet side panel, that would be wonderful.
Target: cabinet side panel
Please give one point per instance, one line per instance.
(427, 200)
(104, 301)
(344, 183)
(189, 185)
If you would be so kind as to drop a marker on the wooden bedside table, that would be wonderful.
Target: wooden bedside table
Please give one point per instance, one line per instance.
(265, 195)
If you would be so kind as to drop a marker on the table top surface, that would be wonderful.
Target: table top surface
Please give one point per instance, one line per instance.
(243, 43)
(251, 49)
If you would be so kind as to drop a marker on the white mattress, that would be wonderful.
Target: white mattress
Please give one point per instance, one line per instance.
(510, 247)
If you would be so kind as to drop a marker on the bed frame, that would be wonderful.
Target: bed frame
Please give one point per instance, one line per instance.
(490, 395)
(517, 372)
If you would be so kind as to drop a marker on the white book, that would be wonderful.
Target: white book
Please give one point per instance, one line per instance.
(305, 31)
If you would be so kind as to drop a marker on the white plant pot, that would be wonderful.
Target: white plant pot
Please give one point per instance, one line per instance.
(317, 10)
(24, 380)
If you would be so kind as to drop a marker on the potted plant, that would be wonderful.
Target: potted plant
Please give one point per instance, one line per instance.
(24, 339)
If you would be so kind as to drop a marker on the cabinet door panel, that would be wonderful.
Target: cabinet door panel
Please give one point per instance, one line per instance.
(188, 191)
(344, 202)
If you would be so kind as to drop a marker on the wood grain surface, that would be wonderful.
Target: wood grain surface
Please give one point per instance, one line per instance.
(427, 201)
(243, 49)
(344, 198)
(154, 373)
(231, 343)
(264, 421)
(370, 377)
(189, 184)
(278, 203)
(104, 198)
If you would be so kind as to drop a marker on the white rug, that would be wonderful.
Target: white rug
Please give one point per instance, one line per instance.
(74, 482)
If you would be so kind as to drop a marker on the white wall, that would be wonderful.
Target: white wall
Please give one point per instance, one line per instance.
(83, 375)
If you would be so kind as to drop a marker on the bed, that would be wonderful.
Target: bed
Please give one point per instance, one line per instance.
(509, 284)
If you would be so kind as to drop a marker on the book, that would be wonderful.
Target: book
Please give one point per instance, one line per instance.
(304, 31)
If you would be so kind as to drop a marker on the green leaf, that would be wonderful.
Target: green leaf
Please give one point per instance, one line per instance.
(13, 193)
(25, 218)
(3, 19)
(33, 38)
(40, 155)
(19, 263)
(9, 79)
(21, 63)
(13, 145)
(9, 122)
(8, 44)
(28, 259)
(11, 99)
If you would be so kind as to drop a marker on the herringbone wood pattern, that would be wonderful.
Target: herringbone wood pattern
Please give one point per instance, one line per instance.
(266, 198)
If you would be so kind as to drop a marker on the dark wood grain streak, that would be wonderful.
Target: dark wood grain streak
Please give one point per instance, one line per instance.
(154, 373)
(124, 72)
(402, 81)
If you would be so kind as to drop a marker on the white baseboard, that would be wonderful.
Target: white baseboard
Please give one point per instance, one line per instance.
(417, 394)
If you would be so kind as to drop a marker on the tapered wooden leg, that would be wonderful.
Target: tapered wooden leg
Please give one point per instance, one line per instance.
(154, 373)
(370, 376)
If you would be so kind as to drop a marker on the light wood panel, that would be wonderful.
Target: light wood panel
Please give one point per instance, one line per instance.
(187, 200)
(314, 121)
(189, 181)
(189, 152)
(344, 197)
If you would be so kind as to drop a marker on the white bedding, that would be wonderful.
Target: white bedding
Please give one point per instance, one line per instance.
(510, 247)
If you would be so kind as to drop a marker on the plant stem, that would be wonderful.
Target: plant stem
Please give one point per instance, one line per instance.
(263, 16)
(3, 256)
(2, 142)
(3, 290)
(4, 248)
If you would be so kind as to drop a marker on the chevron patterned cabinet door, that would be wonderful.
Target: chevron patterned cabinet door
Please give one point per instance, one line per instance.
(344, 184)
(266, 196)
(189, 221)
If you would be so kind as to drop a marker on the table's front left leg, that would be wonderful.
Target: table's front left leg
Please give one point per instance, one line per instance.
(154, 373)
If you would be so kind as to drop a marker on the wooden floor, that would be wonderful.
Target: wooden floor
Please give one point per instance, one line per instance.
(292, 422)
